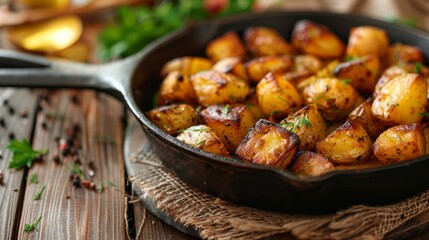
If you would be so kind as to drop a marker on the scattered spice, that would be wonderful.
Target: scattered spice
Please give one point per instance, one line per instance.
(31, 227)
(74, 99)
(1, 178)
(11, 136)
(76, 181)
(86, 183)
(38, 194)
(11, 110)
(67, 196)
(56, 158)
(23, 154)
(44, 125)
(24, 114)
(6, 102)
(2, 123)
(34, 178)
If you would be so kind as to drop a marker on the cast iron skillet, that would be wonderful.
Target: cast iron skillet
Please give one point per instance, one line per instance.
(134, 81)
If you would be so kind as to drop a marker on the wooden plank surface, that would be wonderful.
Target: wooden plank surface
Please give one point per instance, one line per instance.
(12, 191)
(68, 212)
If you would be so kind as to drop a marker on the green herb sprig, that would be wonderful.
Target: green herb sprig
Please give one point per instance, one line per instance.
(34, 178)
(38, 194)
(299, 121)
(32, 226)
(23, 154)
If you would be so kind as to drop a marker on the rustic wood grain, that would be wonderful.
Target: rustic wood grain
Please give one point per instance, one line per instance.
(12, 191)
(87, 214)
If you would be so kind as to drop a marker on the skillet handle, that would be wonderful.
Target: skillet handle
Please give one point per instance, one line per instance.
(24, 70)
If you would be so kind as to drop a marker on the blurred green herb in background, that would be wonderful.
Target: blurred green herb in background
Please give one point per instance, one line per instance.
(137, 26)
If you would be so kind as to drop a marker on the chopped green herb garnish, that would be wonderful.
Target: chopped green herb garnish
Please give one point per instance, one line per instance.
(111, 184)
(200, 142)
(100, 188)
(193, 129)
(403, 21)
(350, 58)
(38, 194)
(31, 227)
(76, 169)
(299, 121)
(417, 67)
(275, 112)
(34, 178)
(155, 99)
(346, 81)
(23, 154)
(226, 109)
(424, 114)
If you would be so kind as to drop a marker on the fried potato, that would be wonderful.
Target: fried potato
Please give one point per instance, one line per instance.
(268, 143)
(400, 53)
(204, 138)
(348, 144)
(259, 67)
(230, 122)
(308, 124)
(362, 115)
(400, 143)
(276, 96)
(312, 164)
(362, 73)
(317, 40)
(389, 74)
(176, 87)
(233, 66)
(304, 67)
(186, 65)
(325, 72)
(401, 100)
(366, 40)
(252, 105)
(263, 41)
(173, 118)
(212, 87)
(334, 98)
(226, 46)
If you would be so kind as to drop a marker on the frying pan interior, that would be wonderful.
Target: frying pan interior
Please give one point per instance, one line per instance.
(261, 186)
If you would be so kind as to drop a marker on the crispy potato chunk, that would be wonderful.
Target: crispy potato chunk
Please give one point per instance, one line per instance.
(349, 144)
(362, 115)
(317, 40)
(277, 97)
(401, 100)
(366, 40)
(226, 46)
(325, 72)
(362, 73)
(259, 67)
(176, 87)
(173, 118)
(212, 87)
(400, 53)
(311, 164)
(400, 143)
(389, 74)
(334, 98)
(230, 123)
(263, 41)
(268, 143)
(252, 105)
(233, 66)
(309, 125)
(204, 138)
(186, 65)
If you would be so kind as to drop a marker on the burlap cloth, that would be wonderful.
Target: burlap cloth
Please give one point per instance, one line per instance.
(217, 219)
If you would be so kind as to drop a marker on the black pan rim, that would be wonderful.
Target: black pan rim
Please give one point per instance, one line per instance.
(235, 163)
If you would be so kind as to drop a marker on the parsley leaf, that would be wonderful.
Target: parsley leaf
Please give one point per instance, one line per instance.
(38, 194)
(23, 154)
(417, 67)
(226, 109)
(424, 114)
(111, 184)
(34, 178)
(31, 227)
(76, 169)
(299, 121)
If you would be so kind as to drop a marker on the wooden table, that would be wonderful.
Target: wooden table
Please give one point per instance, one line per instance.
(68, 212)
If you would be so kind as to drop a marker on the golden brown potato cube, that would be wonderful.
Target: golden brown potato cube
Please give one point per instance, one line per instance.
(325, 72)
(174, 118)
(204, 138)
(334, 98)
(176, 87)
(226, 46)
(366, 40)
(388, 74)
(304, 67)
(263, 41)
(361, 72)
(311, 164)
(252, 105)
(230, 122)
(277, 97)
(317, 40)
(213, 87)
(348, 144)
(401, 100)
(372, 162)
(259, 67)
(362, 115)
(308, 124)
(400, 143)
(402, 53)
(233, 66)
(268, 143)
(186, 65)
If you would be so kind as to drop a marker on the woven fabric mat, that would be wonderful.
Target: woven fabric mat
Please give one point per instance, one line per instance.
(216, 219)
